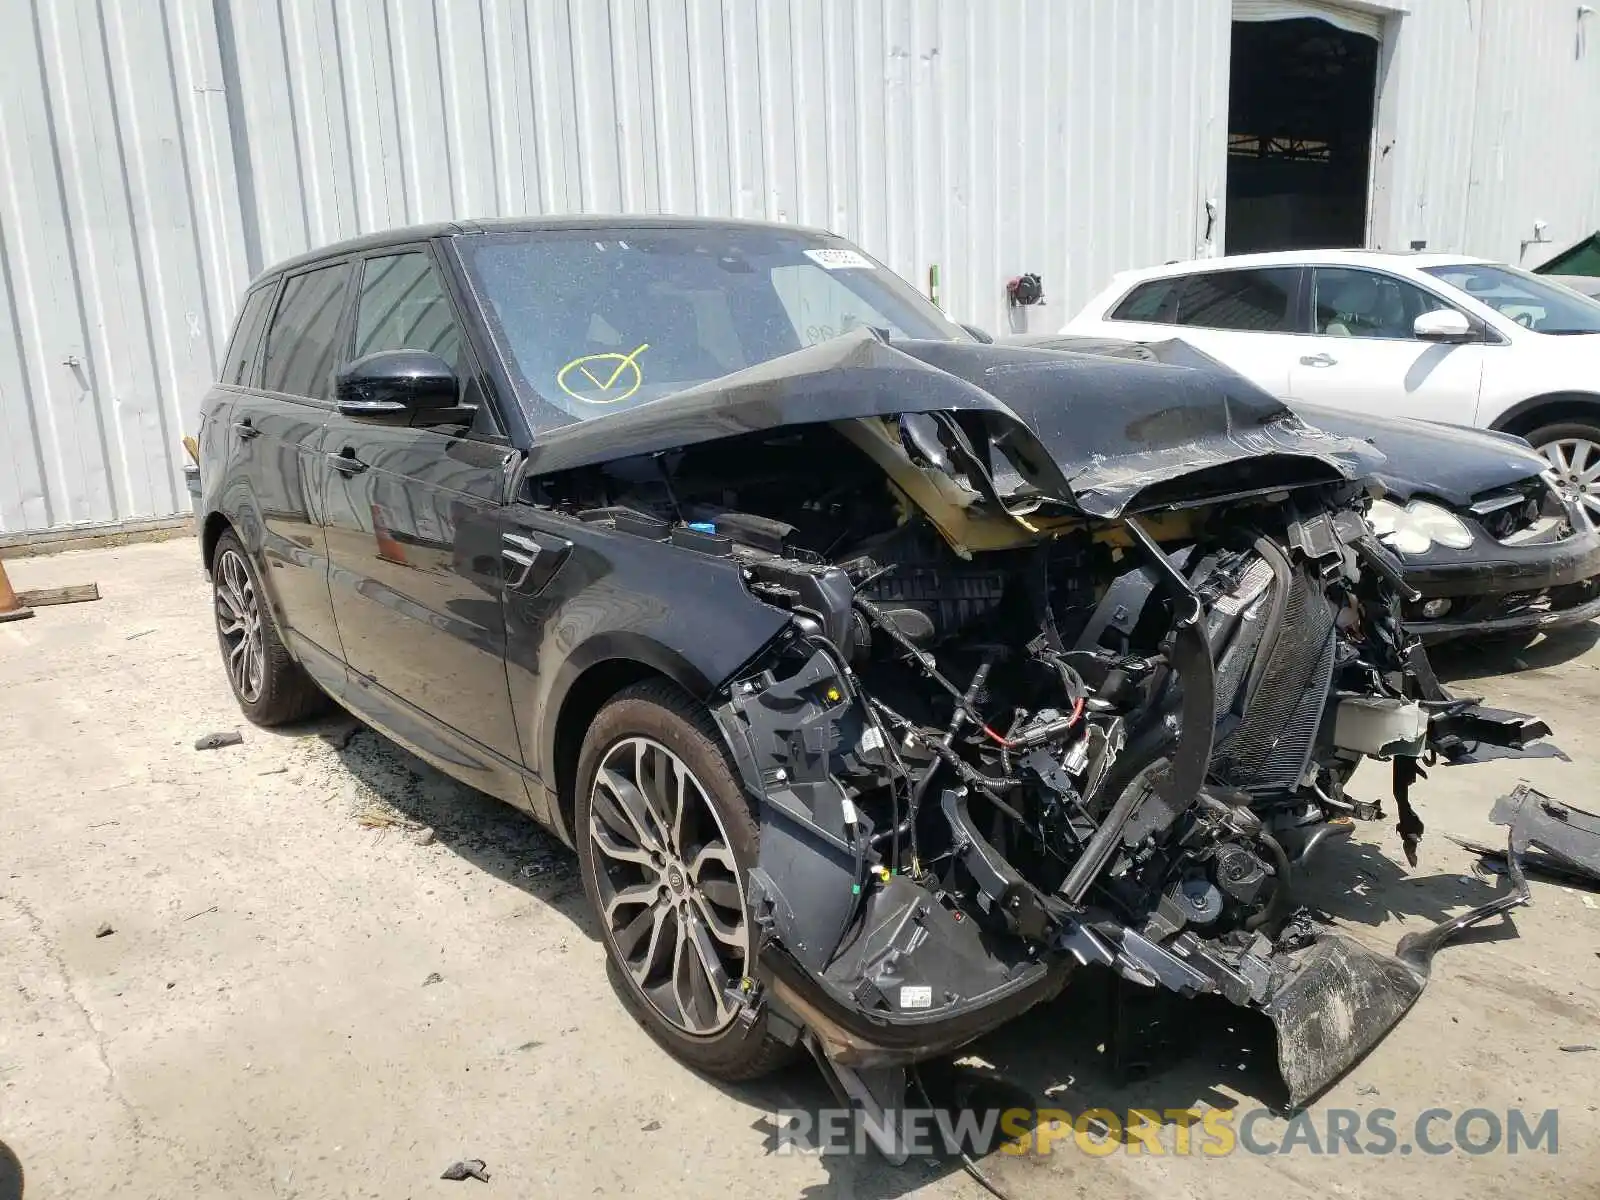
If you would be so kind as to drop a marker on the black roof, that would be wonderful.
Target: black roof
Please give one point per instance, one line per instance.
(438, 229)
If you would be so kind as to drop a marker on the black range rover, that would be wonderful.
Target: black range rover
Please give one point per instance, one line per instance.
(879, 677)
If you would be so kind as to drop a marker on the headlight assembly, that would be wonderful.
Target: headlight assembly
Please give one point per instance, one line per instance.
(1417, 526)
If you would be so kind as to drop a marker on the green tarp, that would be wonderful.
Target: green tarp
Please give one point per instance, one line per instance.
(1582, 258)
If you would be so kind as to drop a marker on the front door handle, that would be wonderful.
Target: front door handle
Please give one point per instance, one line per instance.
(532, 560)
(245, 429)
(346, 463)
(1318, 360)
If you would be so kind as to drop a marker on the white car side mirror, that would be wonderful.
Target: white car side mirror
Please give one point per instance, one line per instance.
(1442, 325)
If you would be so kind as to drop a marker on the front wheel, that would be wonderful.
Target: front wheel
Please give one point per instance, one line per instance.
(665, 841)
(1573, 450)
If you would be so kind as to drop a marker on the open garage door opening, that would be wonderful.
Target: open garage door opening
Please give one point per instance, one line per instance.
(1300, 111)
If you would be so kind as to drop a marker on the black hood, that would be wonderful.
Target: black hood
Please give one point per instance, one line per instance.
(1422, 458)
(1108, 436)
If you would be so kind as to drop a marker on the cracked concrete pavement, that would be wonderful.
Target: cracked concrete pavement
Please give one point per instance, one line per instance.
(261, 1020)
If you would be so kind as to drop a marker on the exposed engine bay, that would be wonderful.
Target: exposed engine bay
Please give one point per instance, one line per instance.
(1001, 737)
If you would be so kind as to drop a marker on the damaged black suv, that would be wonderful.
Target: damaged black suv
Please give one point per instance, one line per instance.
(879, 677)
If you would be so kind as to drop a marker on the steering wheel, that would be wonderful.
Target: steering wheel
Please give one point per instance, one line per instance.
(1525, 319)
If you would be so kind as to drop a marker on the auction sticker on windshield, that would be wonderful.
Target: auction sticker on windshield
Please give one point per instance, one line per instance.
(834, 259)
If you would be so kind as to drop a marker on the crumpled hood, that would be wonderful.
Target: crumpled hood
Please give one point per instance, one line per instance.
(1452, 463)
(1110, 431)
(1118, 428)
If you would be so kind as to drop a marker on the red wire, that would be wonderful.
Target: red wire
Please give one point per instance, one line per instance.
(1077, 711)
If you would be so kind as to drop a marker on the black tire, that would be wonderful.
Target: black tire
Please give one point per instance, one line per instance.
(660, 712)
(1589, 430)
(284, 692)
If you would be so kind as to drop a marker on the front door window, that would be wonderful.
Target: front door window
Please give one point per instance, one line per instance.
(1354, 303)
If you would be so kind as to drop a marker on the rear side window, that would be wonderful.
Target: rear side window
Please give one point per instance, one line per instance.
(1261, 301)
(300, 350)
(239, 364)
(1149, 302)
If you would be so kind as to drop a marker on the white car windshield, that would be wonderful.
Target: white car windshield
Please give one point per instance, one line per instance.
(1532, 302)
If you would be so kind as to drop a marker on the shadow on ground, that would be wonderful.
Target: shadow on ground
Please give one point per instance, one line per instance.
(1467, 659)
(1102, 1044)
(486, 832)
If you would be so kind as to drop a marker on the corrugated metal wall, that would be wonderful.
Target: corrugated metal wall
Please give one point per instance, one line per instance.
(1498, 125)
(988, 138)
(156, 154)
(119, 254)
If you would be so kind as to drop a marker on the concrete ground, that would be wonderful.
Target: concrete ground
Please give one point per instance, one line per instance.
(303, 996)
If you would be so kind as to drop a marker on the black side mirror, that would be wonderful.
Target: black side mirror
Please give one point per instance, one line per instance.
(400, 387)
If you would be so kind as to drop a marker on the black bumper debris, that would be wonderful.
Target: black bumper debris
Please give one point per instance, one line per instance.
(1570, 836)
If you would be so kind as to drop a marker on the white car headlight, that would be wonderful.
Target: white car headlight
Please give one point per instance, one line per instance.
(1417, 526)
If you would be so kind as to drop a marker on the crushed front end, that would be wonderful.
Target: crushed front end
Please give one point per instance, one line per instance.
(1031, 713)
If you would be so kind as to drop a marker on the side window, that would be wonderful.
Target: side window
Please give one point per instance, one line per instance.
(1151, 302)
(240, 361)
(404, 306)
(300, 349)
(1261, 301)
(1353, 303)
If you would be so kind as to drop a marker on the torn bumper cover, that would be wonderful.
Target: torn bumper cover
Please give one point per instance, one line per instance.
(1329, 1002)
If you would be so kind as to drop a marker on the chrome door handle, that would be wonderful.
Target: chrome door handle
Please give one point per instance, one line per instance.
(346, 463)
(1318, 360)
(530, 562)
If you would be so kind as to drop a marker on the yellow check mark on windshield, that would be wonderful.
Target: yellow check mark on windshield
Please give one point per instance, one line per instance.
(618, 373)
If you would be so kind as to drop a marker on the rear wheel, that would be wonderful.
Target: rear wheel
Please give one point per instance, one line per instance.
(665, 841)
(1573, 451)
(270, 686)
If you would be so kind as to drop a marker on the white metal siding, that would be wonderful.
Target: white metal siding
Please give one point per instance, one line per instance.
(1497, 107)
(157, 154)
(118, 237)
(986, 138)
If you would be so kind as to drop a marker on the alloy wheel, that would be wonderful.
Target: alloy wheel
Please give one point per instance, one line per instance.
(669, 889)
(239, 624)
(1575, 472)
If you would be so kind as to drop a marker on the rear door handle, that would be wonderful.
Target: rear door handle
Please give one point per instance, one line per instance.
(1318, 360)
(346, 463)
(532, 560)
(245, 429)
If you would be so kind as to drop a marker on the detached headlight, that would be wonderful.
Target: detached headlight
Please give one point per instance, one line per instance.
(1412, 529)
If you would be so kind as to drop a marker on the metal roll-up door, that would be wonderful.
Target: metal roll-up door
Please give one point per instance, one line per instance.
(1352, 20)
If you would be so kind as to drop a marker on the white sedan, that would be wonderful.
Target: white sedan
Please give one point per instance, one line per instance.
(1440, 337)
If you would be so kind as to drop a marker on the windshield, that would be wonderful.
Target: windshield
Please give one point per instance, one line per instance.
(1530, 301)
(597, 321)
